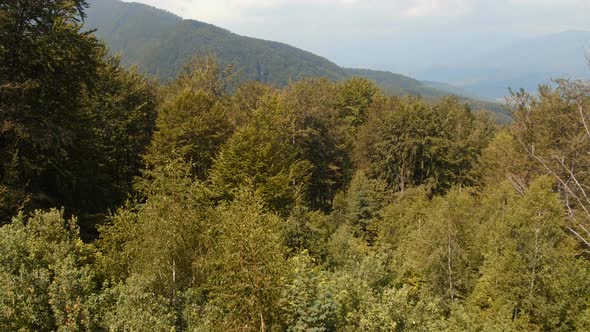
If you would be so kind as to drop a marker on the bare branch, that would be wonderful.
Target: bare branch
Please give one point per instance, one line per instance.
(583, 116)
(573, 231)
(573, 177)
(563, 183)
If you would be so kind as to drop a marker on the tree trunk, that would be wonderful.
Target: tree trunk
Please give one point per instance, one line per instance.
(449, 265)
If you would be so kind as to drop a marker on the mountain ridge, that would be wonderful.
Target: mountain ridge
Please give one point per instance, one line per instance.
(159, 43)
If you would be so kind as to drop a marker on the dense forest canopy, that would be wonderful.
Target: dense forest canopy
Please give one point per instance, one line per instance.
(130, 205)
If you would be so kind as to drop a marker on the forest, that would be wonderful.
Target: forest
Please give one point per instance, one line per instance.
(159, 44)
(201, 204)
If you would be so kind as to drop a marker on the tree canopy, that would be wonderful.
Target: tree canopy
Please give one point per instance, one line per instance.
(199, 205)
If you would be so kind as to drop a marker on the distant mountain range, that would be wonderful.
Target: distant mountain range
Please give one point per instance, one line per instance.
(159, 43)
(522, 64)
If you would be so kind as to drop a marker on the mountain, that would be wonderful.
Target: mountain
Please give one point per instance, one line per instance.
(397, 84)
(450, 88)
(522, 64)
(159, 44)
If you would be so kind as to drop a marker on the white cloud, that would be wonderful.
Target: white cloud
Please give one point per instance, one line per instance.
(224, 10)
(556, 3)
(211, 11)
(218, 11)
(422, 8)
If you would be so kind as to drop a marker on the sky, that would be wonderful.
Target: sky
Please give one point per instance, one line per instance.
(370, 33)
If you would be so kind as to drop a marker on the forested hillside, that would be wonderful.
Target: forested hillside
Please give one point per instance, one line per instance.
(160, 43)
(132, 205)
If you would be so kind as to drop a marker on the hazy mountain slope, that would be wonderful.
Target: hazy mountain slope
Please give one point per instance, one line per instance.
(448, 87)
(397, 84)
(160, 43)
(561, 53)
(523, 64)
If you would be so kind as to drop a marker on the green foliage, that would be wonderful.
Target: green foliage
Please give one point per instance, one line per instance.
(437, 251)
(344, 249)
(358, 283)
(552, 132)
(309, 305)
(518, 282)
(365, 199)
(248, 98)
(320, 206)
(160, 241)
(245, 268)
(355, 97)
(403, 216)
(43, 75)
(261, 156)
(319, 136)
(131, 307)
(72, 121)
(503, 159)
(398, 310)
(191, 122)
(47, 278)
(408, 142)
(307, 230)
(123, 105)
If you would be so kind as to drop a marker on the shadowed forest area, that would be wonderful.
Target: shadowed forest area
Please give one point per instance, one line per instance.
(197, 205)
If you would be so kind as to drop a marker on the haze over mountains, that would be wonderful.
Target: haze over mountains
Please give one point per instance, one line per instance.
(522, 64)
(159, 43)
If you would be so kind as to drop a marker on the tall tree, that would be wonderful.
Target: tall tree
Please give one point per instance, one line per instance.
(354, 99)
(531, 272)
(438, 252)
(192, 122)
(365, 199)
(46, 64)
(245, 266)
(72, 122)
(123, 113)
(553, 129)
(261, 156)
(319, 136)
(154, 248)
(408, 142)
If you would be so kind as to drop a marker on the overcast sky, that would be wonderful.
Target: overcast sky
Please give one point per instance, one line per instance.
(368, 33)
